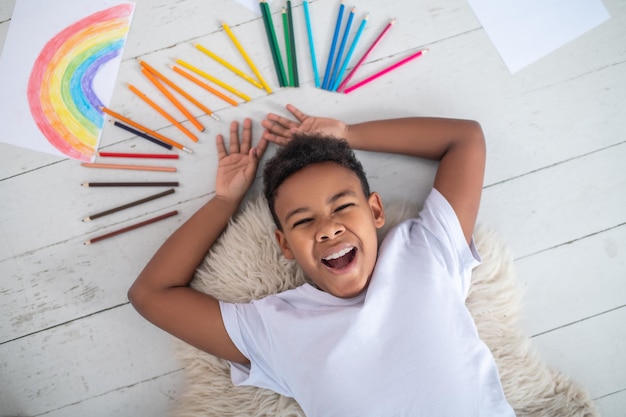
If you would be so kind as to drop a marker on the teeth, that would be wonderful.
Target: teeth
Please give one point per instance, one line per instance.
(338, 254)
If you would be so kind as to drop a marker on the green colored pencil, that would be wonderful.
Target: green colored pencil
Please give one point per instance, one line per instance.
(271, 37)
(292, 43)
(288, 47)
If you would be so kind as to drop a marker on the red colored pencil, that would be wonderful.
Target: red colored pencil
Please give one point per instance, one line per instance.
(138, 155)
(385, 71)
(132, 227)
(346, 80)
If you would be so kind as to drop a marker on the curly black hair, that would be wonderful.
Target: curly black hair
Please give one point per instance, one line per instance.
(304, 150)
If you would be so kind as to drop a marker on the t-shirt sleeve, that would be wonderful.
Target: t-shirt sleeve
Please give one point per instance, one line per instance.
(246, 329)
(445, 234)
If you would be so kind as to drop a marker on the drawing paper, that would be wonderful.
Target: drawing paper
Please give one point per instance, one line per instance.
(58, 68)
(524, 31)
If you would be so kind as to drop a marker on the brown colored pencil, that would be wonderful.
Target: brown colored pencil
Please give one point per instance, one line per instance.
(132, 184)
(128, 205)
(132, 227)
(131, 167)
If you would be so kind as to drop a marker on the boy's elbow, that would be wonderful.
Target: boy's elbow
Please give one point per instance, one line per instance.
(137, 295)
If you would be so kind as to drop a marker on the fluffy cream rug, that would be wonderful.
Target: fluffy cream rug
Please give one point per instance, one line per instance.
(246, 264)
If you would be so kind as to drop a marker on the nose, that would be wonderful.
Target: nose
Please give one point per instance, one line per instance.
(329, 229)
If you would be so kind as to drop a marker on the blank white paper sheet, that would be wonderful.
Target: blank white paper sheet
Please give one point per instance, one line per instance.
(524, 31)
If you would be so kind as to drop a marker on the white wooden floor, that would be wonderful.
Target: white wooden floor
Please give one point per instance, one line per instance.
(70, 344)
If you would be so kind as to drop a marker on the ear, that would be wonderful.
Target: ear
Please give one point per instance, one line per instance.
(282, 243)
(378, 212)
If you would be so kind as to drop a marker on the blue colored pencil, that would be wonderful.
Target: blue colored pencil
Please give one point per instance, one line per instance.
(349, 54)
(305, 5)
(333, 45)
(344, 39)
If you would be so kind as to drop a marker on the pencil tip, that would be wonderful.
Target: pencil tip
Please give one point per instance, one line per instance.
(87, 219)
(87, 242)
(187, 150)
(215, 117)
(392, 21)
(85, 184)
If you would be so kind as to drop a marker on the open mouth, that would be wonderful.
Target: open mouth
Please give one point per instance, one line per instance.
(341, 259)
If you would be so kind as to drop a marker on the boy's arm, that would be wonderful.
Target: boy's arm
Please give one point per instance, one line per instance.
(161, 293)
(458, 145)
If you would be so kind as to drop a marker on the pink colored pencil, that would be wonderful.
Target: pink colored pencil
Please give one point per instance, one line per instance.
(138, 155)
(345, 81)
(131, 167)
(385, 71)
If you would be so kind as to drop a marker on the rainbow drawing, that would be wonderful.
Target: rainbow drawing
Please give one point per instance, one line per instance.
(61, 94)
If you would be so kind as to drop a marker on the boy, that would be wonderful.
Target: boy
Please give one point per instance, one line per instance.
(373, 333)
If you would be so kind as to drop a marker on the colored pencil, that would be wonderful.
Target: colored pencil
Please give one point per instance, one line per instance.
(128, 205)
(132, 227)
(145, 129)
(212, 79)
(179, 90)
(130, 167)
(245, 56)
(344, 39)
(309, 31)
(271, 37)
(141, 134)
(204, 85)
(385, 71)
(131, 184)
(173, 99)
(337, 78)
(345, 82)
(333, 45)
(162, 112)
(138, 155)
(228, 65)
(292, 44)
(290, 82)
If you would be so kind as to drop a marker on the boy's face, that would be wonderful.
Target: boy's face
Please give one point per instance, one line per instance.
(329, 227)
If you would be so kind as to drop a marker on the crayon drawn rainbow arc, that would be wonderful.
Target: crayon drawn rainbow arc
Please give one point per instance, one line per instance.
(61, 94)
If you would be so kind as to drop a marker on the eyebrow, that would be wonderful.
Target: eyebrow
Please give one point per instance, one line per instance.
(332, 199)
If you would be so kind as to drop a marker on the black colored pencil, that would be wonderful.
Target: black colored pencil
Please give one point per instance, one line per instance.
(141, 134)
(128, 205)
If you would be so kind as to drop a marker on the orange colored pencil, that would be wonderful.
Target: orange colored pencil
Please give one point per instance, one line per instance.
(213, 79)
(205, 86)
(162, 112)
(130, 167)
(179, 90)
(145, 129)
(173, 99)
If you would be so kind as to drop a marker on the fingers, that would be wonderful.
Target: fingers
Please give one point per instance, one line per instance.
(234, 137)
(246, 139)
(296, 112)
(221, 149)
(260, 148)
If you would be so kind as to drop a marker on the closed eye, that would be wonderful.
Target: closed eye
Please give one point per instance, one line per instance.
(301, 222)
(344, 206)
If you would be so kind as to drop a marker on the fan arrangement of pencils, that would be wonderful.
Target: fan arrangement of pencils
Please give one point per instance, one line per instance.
(334, 78)
(337, 63)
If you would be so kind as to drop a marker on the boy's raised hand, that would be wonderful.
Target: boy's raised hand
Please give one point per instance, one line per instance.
(237, 166)
(279, 130)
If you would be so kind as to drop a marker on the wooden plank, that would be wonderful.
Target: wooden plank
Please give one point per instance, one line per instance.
(560, 204)
(574, 281)
(82, 360)
(147, 398)
(612, 405)
(590, 352)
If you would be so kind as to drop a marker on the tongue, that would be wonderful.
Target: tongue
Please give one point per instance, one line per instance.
(340, 262)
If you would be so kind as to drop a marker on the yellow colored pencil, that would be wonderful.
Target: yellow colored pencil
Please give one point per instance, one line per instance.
(245, 56)
(162, 112)
(213, 79)
(173, 99)
(204, 85)
(229, 66)
(178, 89)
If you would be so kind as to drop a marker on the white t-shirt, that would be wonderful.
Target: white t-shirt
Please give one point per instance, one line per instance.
(406, 347)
